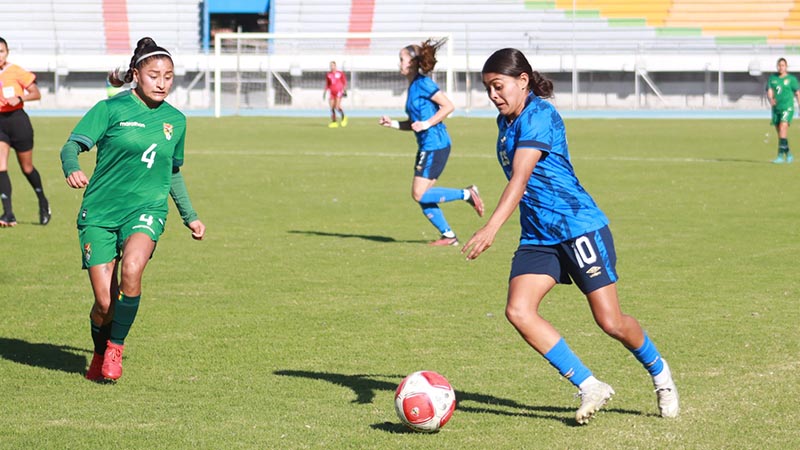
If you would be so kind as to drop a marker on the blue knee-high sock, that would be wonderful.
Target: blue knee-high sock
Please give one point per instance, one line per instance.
(568, 364)
(441, 195)
(434, 214)
(648, 355)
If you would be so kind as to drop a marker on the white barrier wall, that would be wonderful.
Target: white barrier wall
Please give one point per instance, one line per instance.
(702, 80)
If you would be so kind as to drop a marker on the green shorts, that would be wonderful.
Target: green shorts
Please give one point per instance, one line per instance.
(782, 115)
(100, 245)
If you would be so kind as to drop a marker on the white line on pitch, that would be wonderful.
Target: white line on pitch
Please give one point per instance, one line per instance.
(452, 155)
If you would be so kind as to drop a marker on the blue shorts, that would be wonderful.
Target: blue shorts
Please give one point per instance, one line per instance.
(589, 260)
(430, 164)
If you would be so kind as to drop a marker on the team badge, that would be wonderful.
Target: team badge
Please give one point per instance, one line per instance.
(87, 252)
(168, 131)
(786, 82)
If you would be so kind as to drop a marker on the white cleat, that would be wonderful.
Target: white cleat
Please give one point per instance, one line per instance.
(593, 397)
(667, 395)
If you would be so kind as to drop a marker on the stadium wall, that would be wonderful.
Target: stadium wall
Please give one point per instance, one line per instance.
(699, 81)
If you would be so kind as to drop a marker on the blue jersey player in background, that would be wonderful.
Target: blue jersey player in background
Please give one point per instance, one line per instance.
(565, 236)
(427, 106)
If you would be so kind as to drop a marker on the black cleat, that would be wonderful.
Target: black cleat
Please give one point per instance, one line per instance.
(44, 212)
(8, 220)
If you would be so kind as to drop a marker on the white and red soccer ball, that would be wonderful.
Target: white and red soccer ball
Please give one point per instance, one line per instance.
(424, 401)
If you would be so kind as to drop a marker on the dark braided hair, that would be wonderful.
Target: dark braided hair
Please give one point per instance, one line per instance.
(512, 62)
(144, 46)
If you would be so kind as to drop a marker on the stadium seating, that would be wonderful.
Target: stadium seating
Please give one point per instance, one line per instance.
(106, 26)
(552, 25)
(113, 26)
(742, 22)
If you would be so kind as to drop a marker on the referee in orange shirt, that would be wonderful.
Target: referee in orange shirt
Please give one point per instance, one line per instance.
(18, 86)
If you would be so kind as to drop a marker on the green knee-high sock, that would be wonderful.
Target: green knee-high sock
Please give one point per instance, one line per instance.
(125, 309)
(783, 146)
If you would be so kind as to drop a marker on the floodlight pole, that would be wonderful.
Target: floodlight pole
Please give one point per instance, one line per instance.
(574, 62)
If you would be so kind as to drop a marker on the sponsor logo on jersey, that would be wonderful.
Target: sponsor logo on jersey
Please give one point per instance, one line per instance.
(594, 271)
(131, 124)
(168, 131)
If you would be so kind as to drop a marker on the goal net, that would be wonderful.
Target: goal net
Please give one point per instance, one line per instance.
(258, 71)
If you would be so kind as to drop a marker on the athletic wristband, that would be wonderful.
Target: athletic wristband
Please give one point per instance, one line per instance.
(425, 125)
(395, 124)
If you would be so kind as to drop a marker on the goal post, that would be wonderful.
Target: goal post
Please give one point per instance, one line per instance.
(287, 70)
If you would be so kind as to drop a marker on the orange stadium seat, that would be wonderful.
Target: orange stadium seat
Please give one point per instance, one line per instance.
(777, 22)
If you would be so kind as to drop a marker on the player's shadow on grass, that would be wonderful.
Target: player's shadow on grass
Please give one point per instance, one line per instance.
(366, 385)
(47, 356)
(368, 237)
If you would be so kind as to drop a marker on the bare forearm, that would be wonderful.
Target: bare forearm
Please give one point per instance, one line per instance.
(508, 203)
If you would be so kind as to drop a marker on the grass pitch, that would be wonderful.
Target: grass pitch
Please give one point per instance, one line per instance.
(314, 293)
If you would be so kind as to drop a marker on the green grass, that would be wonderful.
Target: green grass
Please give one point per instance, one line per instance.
(314, 294)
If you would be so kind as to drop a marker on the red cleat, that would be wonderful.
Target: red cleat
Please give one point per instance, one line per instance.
(95, 372)
(112, 361)
(475, 199)
(444, 242)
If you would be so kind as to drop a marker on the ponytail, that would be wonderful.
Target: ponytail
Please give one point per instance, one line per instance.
(425, 54)
(512, 62)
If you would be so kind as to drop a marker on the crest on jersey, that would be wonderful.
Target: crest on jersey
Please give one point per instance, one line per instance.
(168, 131)
(786, 82)
(87, 252)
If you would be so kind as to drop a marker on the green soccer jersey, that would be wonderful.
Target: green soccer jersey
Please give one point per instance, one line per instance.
(783, 89)
(137, 148)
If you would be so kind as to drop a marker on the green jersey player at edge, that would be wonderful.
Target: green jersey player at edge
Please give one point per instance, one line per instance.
(140, 148)
(782, 88)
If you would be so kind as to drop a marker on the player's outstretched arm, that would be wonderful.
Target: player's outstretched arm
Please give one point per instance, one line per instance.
(387, 121)
(524, 162)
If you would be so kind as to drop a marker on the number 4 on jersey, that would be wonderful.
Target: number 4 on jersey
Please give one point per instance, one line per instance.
(149, 156)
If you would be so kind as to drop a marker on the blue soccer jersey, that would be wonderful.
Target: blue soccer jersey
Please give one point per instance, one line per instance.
(555, 207)
(420, 107)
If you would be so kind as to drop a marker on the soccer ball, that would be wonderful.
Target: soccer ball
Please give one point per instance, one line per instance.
(424, 401)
